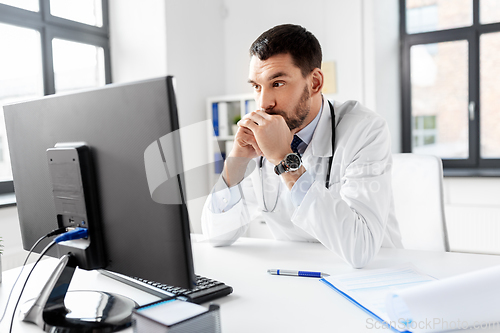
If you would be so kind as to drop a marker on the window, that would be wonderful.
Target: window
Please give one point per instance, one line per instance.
(489, 45)
(424, 133)
(450, 82)
(421, 19)
(20, 78)
(31, 5)
(83, 11)
(49, 47)
(71, 60)
(434, 94)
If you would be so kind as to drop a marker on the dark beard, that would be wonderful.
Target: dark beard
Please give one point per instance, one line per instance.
(300, 114)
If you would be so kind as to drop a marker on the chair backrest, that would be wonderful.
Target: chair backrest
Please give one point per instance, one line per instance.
(417, 183)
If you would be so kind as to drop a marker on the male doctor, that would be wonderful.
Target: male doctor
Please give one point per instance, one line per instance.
(312, 169)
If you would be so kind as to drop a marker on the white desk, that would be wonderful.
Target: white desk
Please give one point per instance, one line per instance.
(262, 302)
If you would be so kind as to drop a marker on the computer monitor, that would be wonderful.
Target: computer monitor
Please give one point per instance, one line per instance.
(123, 126)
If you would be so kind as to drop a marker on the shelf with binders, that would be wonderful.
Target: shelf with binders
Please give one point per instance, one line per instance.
(225, 112)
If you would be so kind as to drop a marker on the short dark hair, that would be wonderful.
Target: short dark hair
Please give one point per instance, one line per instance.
(293, 39)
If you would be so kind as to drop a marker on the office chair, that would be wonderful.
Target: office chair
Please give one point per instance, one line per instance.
(417, 183)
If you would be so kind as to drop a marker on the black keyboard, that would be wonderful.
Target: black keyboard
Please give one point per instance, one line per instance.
(206, 289)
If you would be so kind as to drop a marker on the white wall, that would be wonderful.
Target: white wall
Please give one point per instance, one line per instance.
(338, 31)
(246, 20)
(194, 55)
(180, 38)
(138, 38)
(472, 207)
(381, 63)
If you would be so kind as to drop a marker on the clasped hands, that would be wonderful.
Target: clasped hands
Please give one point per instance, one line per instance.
(259, 134)
(262, 134)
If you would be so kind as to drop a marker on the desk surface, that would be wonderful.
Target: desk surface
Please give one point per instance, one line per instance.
(262, 302)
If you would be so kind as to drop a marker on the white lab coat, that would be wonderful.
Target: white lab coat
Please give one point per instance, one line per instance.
(353, 218)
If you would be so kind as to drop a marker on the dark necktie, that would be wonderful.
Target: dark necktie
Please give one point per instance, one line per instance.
(295, 144)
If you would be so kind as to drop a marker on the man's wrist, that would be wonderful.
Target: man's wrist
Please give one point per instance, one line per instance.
(291, 177)
(234, 170)
(291, 162)
(280, 157)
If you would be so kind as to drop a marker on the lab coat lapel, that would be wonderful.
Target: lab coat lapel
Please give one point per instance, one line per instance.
(321, 143)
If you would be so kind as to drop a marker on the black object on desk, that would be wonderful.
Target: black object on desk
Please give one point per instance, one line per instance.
(206, 289)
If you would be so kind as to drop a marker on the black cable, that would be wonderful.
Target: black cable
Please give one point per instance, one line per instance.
(56, 232)
(330, 161)
(50, 234)
(47, 248)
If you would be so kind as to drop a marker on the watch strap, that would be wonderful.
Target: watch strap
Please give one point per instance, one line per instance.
(280, 168)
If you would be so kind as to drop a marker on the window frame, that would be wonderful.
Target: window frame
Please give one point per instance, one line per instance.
(50, 27)
(474, 165)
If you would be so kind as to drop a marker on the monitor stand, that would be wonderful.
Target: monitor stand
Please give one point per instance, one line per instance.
(57, 310)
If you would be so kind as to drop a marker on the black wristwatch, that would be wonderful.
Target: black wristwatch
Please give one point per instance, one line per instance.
(291, 162)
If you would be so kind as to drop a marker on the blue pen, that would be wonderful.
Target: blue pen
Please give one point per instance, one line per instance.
(297, 273)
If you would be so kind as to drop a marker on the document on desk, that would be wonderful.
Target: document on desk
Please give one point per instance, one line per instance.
(470, 300)
(404, 299)
(368, 290)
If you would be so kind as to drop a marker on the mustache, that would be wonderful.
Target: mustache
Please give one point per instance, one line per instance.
(276, 112)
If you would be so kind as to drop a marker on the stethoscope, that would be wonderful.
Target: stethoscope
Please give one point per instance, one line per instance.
(330, 163)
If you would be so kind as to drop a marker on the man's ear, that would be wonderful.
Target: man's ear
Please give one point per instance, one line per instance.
(316, 81)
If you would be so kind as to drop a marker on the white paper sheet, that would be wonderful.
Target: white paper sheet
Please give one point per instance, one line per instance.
(172, 311)
(369, 288)
(468, 300)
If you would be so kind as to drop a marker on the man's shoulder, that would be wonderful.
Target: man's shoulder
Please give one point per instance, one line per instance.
(354, 112)
(353, 108)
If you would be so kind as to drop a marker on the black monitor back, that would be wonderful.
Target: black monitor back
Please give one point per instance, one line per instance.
(142, 238)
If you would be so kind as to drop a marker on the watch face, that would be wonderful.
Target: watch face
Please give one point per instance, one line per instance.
(293, 162)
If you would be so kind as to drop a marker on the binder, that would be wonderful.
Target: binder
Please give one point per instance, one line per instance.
(215, 118)
(220, 119)
(223, 119)
(250, 106)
